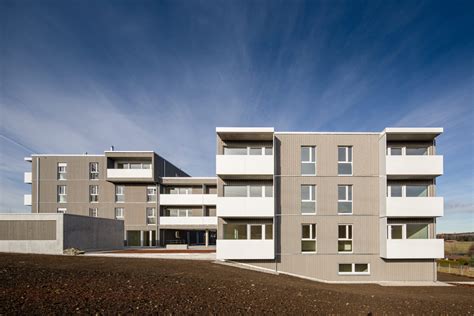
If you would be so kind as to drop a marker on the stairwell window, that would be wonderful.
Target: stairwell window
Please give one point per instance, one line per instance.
(308, 199)
(354, 268)
(93, 193)
(344, 203)
(344, 241)
(151, 194)
(308, 160)
(62, 170)
(62, 195)
(119, 212)
(150, 215)
(119, 194)
(93, 171)
(93, 212)
(344, 160)
(308, 238)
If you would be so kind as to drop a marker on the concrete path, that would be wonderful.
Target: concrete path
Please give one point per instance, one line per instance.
(180, 256)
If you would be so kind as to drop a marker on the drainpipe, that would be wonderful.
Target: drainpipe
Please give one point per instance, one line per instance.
(37, 184)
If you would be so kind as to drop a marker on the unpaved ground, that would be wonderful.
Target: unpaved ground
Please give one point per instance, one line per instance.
(35, 284)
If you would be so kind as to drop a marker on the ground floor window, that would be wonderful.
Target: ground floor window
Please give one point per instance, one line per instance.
(354, 268)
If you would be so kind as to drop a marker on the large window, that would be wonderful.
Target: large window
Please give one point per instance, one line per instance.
(62, 194)
(344, 199)
(150, 215)
(408, 231)
(62, 170)
(308, 199)
(94, 193)
(119, 193)
(308, 160)
(407, 150)
(151, 194)
(256, 232)
(344, 240)
(134, 165)
(408, 190)
(248, 231)
(248, 190)
(416, 151)
(119, 213)
(93, 212)
(344, 160)
(93, 170)
(354, 268)
(181, 190)
(181, 212)
(235, 231)
(308, 238)
(249, 150)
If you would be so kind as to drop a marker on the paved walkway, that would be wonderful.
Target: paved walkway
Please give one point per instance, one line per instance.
(209, 256)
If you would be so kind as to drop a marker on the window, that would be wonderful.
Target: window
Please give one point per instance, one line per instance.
(119, 213)
(408, 231)
(255, 151)
(344, 240)
(235, 190)
(416, 151)
(255, 231)
(268, 151)
(251, 150)
(394, 151)
(94, 193)
(308, 160)
(133, 165)
(248, 191)
(308, 199)
(235, 231)
(394, 190)
(269, 231)
(308, 238)
(62, 170)
(255, 191)
(178, 212)
(354, 268)
(151, 194)
(62, 210)
(235, 151)
(416, 190)
(62, 196)
(93, 170)
(119, 193)
(344, 160)
(93, 212)
(150, 215)
(181, 190)
(268, 191)
(344, 197)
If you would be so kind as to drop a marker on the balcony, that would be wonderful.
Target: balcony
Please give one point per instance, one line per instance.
(27, 177)
(415, 206)
(145, 175)
(245, 249)
(188, 221)
(27, 199)
(245, 207)
(188, 199)
(244, 165)
(414, 166)
(413, 249)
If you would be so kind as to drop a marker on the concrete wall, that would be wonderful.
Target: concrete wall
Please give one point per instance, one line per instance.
(51, 233)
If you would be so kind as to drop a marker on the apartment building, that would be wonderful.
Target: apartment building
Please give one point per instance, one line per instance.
(339, 207)
(136, 187)
(348, 207)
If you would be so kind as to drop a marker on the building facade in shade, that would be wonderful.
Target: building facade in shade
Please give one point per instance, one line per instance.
(348, 207)
(159, 203)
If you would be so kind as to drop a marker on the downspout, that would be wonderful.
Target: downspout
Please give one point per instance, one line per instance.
(37, 184)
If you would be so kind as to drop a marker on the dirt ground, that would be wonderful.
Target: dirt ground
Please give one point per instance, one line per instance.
(36, 284)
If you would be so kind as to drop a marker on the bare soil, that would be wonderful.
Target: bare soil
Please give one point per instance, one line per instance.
(37, 284)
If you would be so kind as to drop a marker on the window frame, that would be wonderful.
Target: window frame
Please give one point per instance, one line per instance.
(351, 239)
(312, 198)
(247, 186)
(151, 219)
(312, 237)
(248, 228)
(61, 210)
(310, 161)
(92, 211)
(404, 231)
(93, 197)
(353, 272)
(122, 216)
(122, 194)
(154, 195)
(347, 161)
(263, 150)
(347, 186)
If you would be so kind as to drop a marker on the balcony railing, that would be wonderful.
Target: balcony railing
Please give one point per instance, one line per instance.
(245, 249)
(187, 221)
(245, 207)
(129, 174)
(415, 206)
(413, 249)
(244, 165)
(188, 199)
(431, 166)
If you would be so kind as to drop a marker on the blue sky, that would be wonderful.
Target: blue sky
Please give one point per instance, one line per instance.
(79, 76)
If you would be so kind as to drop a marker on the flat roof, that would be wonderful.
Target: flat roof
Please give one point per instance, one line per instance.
(246, 133)
(412, 133)
(245, 129)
